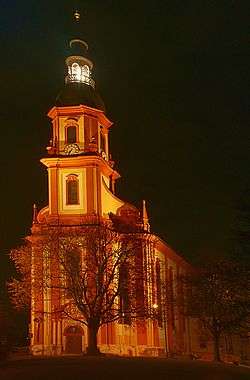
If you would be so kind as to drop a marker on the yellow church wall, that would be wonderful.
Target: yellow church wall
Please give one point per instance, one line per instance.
(92, 193)
(110, 203)
(106, 180)
(53, 190)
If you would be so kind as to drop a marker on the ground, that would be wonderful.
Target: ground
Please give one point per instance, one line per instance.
(105, 368)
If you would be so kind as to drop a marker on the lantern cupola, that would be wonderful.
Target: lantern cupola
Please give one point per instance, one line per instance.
(79, 67)
(79, 87)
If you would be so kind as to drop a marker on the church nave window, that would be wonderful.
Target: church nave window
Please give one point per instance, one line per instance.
(125, 316)
(72, 190)
(159, 291)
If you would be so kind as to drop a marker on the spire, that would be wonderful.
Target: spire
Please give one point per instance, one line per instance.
(78, 63)
(145, 219)
(76, 26)
(77, 43)
(79, 85)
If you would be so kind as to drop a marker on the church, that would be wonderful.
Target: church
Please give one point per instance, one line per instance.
(81, 186)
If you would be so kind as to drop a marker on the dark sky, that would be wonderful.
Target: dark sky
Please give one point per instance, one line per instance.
(174, 77)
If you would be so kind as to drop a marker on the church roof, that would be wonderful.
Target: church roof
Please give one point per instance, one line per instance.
(74, 94)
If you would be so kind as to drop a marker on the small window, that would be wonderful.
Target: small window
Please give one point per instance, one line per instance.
(72, 189)
(85, 71)
(76, 72)
(71, 134)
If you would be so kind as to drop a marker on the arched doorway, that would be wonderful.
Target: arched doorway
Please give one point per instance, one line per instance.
(73, 336)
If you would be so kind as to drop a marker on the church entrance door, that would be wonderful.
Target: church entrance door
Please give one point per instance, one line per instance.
(73, 336)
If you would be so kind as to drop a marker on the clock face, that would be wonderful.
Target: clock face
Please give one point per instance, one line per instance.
(71, 149)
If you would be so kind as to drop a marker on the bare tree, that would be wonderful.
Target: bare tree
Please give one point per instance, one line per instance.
(91, 268)
(219, 296)
(19, 288)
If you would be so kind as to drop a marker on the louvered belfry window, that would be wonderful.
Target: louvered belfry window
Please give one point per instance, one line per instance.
(71, 134)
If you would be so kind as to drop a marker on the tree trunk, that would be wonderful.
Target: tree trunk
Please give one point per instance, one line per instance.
(217, 357)
(92, 348)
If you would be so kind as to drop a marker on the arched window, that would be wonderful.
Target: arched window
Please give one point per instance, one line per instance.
(125, 316)
(171, 297)
(85, 71)
(72, 189)
(76, 72)
(158, 291)
(71, 134)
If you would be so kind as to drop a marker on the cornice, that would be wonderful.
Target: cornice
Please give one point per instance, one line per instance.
(80, 162)
(163, 247)
(80, 110)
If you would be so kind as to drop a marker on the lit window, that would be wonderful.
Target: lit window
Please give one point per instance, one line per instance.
(76, 72)
(71, 135)
(72, 190)
(85, 72)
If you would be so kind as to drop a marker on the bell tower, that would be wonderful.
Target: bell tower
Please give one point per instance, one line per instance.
(81, 177)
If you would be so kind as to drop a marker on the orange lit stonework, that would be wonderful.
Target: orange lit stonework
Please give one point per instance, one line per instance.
(96, 177)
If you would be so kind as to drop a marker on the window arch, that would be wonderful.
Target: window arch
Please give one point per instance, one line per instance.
(73, 330)
(72, 190)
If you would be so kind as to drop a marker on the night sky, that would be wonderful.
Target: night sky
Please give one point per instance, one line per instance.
(174, 78)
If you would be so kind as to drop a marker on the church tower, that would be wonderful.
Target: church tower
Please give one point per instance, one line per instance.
(81, 175)
(81, 189)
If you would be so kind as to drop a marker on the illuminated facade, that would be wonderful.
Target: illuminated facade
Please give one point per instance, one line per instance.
(81, 186)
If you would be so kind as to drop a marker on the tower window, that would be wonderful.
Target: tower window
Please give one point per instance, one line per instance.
(85, 72)
(76, 72)
(79, 73)
(72, 190)
(71, 134)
